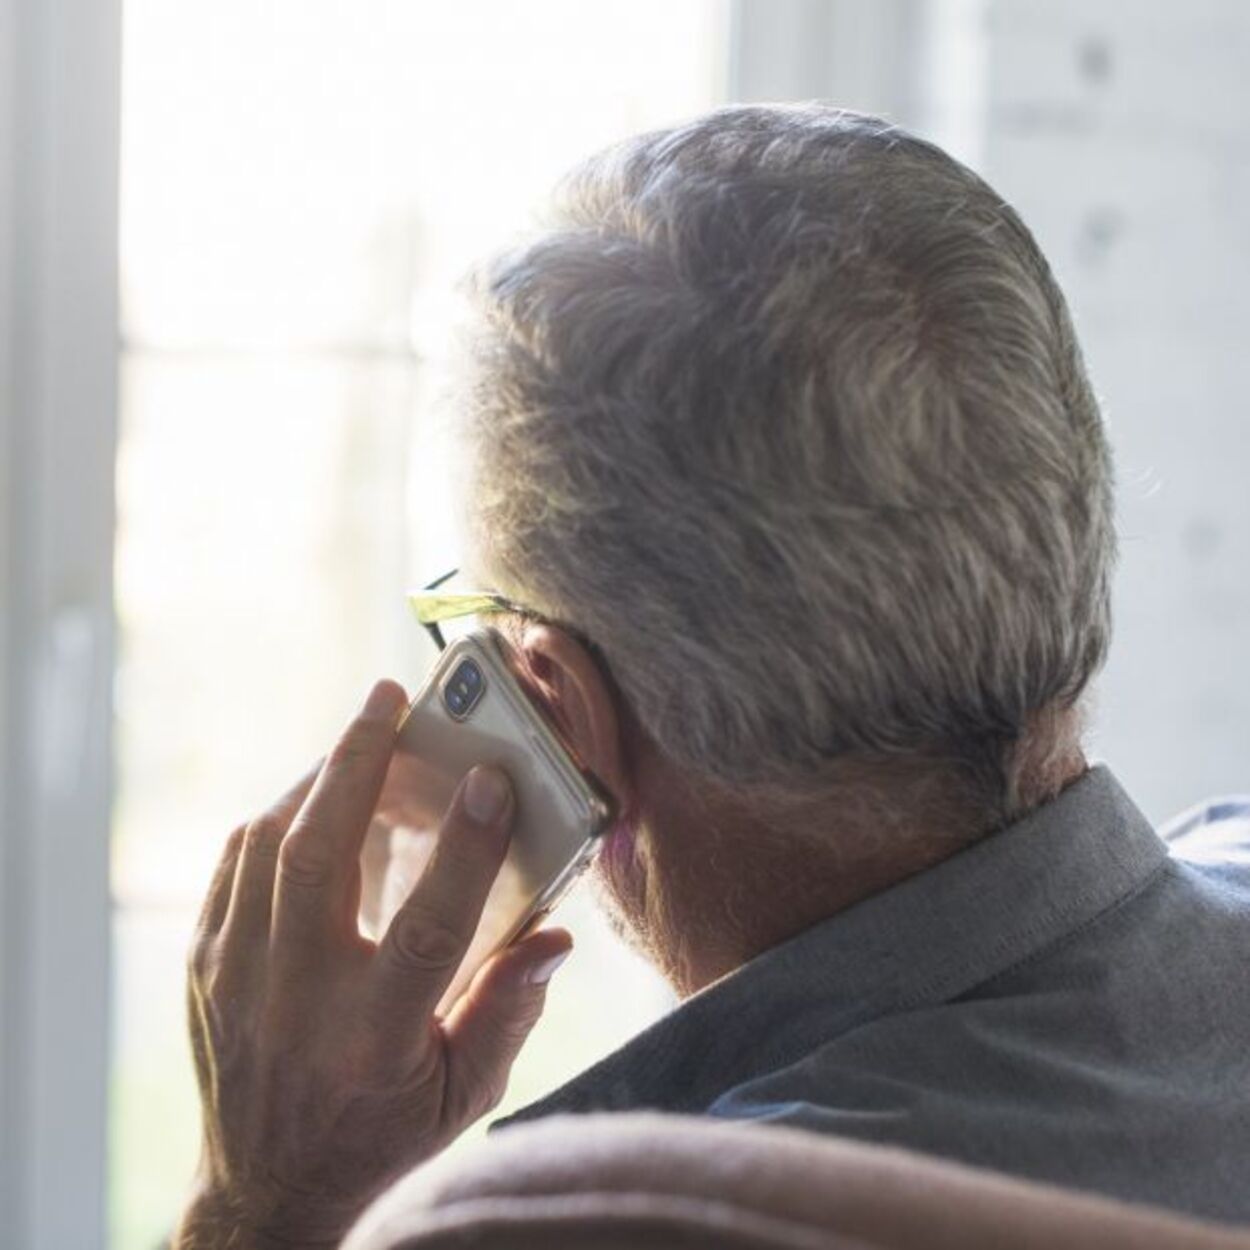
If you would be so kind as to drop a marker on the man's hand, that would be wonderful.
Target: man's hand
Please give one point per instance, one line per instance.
(323, 1070)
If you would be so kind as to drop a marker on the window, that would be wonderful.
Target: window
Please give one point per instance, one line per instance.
(301, 186)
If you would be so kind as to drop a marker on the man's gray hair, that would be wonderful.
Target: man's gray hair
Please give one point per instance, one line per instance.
(785, 412)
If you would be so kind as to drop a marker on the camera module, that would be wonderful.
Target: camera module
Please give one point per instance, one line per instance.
(463, 689)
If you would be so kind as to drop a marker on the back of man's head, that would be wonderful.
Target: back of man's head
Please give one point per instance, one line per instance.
(786, 413)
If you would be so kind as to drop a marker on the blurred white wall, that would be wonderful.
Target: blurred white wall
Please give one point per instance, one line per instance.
(1126, 143)
(1122, 135)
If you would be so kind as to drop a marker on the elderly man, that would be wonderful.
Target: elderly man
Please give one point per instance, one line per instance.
(782, 435)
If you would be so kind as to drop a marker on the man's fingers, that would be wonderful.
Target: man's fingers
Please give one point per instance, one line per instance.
(429, 935)
(217, 900)
(317, 870)
(251, 900)
(490, 1024)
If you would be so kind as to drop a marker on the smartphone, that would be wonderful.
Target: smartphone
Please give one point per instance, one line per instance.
(475, 709)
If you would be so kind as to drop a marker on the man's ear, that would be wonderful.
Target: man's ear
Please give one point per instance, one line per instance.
(580, 700)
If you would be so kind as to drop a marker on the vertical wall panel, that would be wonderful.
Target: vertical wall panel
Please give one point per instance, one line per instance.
(58, 322)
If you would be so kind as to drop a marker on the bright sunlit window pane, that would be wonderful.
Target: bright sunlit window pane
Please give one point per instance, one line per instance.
(302, 184)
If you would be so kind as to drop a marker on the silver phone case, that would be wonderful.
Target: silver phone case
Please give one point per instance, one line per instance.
(560, 808)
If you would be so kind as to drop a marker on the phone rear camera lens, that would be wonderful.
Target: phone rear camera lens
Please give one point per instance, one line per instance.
(463, 688)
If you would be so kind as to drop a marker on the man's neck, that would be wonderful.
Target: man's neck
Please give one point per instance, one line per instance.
(723, 881)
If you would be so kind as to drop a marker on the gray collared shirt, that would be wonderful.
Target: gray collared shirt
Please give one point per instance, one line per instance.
(1067, 1000)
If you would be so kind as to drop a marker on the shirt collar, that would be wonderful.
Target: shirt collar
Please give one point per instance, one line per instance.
(926, 940)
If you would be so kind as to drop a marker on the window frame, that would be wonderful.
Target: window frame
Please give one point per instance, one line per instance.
(59, 132)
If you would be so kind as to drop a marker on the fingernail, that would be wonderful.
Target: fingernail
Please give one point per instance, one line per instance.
(486, 794)
(383, 702)
(541, 973)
